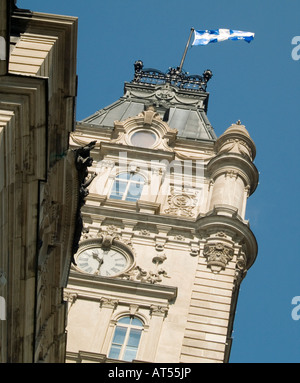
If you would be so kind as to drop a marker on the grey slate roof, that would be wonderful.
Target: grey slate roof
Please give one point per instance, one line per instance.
(182, 105)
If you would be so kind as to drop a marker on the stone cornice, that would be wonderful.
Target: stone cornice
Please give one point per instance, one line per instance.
(134, 152)
(93, 286)
(42, 25)
(224, 218)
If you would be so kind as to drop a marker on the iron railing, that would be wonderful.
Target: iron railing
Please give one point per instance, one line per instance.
(173, 76)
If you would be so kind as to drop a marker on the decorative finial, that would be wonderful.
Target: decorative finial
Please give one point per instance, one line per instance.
(207, 75)
(238, 122)
(138, 65)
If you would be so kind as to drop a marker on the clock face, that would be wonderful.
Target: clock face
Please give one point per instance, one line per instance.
(99, 261)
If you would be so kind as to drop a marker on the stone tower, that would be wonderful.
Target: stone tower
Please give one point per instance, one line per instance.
(165, 244)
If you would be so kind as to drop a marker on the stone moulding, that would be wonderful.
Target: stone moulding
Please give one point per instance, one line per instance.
(91, 286)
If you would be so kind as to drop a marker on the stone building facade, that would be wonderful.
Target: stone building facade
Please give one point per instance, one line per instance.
(165, 244)
(127, 230)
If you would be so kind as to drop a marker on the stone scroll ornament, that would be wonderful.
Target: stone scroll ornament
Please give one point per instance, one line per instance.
(155, 276)
(180, 203)
(82, 162)
(217, 255)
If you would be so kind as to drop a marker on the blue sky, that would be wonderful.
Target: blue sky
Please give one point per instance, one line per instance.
(257, 83)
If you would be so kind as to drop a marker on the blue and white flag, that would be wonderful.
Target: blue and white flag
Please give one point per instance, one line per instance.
(216, 35)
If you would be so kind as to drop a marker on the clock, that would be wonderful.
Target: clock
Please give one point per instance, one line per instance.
(102, 261)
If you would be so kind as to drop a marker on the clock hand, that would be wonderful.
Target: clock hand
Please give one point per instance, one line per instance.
(100, 263)
(100, 260)
(96, 256)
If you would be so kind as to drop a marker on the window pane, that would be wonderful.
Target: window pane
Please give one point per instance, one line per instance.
(137, 177)
(129, 354)
(118, 189)
(119, 336)
(134, 338)
(114, 352)
(125, 320)
(136, 322)
(134, 192)
(143, 139)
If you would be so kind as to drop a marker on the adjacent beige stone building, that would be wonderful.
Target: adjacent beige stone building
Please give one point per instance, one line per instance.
(165, 243)
(39, 191)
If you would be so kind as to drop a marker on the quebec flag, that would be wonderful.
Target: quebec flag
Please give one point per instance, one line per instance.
(216, 35)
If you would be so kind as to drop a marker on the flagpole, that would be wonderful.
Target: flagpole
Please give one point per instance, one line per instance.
(185, 51)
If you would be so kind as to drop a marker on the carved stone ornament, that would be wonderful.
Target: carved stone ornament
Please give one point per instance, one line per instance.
(109, 303)
(181, 203)
(194, 251)
(159, 310)
(70, 297)
(139, 274)
(133, 309)
(106, 234)
(237, 146)
(165, 94)
(240, 269)
(145, 232)
(111, 230)
(217, 255)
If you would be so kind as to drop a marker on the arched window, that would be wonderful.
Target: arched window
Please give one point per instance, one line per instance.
(126, 338)
(127, 186)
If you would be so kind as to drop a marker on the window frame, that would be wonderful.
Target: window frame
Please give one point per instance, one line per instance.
(124, 345)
